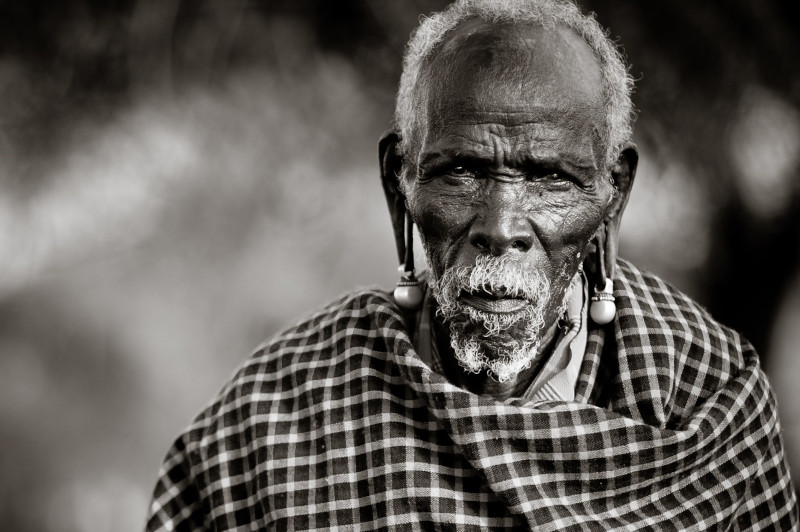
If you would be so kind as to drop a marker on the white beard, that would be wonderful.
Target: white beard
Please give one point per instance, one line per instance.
(503, 344)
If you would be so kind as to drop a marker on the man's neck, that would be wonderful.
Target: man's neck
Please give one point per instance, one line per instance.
(481, 383)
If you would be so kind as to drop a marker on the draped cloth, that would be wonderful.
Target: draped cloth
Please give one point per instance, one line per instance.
(337, 424)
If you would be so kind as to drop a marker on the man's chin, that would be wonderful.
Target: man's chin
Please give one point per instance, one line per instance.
(502, 361)
(501, 344)
(497, 327)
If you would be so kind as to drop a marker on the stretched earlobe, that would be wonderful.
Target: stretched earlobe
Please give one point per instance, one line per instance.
(408, 293)
(603, 308)
(391, 168)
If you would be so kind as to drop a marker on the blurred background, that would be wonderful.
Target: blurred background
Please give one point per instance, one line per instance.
(180, 179)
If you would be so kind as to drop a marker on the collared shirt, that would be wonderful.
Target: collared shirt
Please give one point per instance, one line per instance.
(557, 379)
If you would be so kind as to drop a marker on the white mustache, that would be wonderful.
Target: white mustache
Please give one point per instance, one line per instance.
(500, 276)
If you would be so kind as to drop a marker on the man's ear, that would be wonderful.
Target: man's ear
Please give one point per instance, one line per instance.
(391, 167)
(623, 173)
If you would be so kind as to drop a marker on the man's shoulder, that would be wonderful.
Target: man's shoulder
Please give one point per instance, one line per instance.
(645, 301)
(359, 320)
(670, 349)
(350, 333)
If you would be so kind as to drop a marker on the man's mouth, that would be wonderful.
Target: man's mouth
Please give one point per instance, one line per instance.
(495, 301)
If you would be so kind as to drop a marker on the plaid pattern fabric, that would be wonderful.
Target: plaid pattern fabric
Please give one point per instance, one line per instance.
(337, 424)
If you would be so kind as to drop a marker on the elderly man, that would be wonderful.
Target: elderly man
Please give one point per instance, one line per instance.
(531, 379)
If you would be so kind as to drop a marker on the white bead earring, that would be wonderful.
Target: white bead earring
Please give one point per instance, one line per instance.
(603, 307)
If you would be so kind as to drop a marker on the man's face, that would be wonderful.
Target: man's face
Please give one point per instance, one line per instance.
(510, 173)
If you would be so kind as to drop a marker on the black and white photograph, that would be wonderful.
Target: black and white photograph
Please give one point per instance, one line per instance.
(365, 265)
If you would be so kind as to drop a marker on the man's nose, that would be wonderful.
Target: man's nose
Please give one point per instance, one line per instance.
(502, 227)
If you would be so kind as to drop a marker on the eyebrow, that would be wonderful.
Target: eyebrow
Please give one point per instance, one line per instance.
(451, 154)
(565, 163)
(558, 161)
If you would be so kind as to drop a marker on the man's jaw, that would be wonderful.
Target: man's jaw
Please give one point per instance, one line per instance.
(495, 312)
(471, 355)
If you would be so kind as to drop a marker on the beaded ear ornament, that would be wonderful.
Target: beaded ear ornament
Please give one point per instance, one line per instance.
(603, 308)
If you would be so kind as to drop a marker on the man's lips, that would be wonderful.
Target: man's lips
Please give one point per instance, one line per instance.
(489, 302)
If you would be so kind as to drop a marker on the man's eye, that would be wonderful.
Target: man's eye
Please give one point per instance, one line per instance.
(460, 171)
(553, 176)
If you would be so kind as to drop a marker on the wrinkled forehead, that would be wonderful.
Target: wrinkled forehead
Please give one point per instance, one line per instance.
(500, 66)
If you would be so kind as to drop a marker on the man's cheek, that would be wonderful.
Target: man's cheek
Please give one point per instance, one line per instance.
(437, 217)
(440, 236)
(579, 225)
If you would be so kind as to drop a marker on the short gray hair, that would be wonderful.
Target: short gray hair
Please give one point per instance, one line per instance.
(618, 85)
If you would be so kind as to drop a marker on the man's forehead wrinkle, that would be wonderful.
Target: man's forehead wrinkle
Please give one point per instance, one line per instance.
(512, 151)
(516, 143)
(513, 128)
(449, 110)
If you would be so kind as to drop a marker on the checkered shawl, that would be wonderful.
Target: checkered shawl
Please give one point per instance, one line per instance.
(337, 424)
